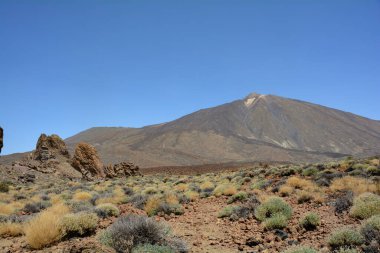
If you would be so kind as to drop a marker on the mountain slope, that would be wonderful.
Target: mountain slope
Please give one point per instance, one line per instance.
(258, 127)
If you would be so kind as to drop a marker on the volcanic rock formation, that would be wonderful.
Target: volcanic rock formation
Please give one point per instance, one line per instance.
(86, 160)
(49, 147)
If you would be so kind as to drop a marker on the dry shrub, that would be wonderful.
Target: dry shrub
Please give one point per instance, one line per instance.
(285, 190)
(205, 186)
(181, 187)
(355, 184)
(171, 199)
(82, 196)
(192, 195)
(152, 205)
(6, 209)
(44, 229)
(10, 229)
(225, 189)
(300, 183)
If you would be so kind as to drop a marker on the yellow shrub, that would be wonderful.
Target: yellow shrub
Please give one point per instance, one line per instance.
(300, 183)
(55, 199)
(152, 205)
(229, 190)
(181, 187)
(225, 189)
(285, 190)
(44, 229)
(82, 196)
(10, 229)
(6, 209)
(207, 185)
(113, 200)
(354, 184)
(171, 199)
(192, 195)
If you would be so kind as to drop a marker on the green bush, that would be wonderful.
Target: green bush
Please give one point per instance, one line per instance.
(272, 206)
(311, 171)
(310, 221)
(130, 231)
(149, 248)
(345, 237)
(300, 249)
(240, 196)
(371, 229)
(107, 210)
(227, 211)
(276, 221)
(78, 224)
(365, 206)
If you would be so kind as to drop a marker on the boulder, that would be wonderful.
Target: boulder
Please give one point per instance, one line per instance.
(86, 160)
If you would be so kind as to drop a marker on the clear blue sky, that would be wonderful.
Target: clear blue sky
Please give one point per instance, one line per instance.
(66, 66)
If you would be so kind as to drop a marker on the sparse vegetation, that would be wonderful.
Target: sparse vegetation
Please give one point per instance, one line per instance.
(366, 205)
(345, 237)
(44, 229)
(310, 221)
(107, 210)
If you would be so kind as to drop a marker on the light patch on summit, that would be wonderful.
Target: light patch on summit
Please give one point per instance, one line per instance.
(249, 101)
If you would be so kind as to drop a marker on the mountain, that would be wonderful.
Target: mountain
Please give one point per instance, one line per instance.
(256, 128)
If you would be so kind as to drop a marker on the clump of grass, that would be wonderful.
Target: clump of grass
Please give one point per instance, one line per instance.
(276, 221)
(285, 190)
(181, 187)
(78, 224)
(6, 209)
(304, 196)
(354, 184)
(11, 229)
(300, 249)
(227, 211)
(300, 183)
(225, 189)
(271, 206)
(191, 195)
(240, 196)
(207, 186)
(274, 212)
(345, 237)
(167, 205)
(310, 221)
(365, 205)
(370, 229)
(82, 196)
(107, 210)
(44, 229)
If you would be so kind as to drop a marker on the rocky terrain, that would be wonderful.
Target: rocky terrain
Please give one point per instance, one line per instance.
(322, 207)
(255, 128)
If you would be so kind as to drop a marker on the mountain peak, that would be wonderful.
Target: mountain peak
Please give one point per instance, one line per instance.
(251, 98)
